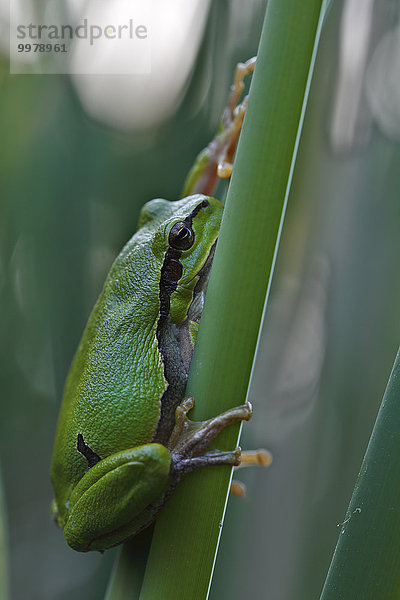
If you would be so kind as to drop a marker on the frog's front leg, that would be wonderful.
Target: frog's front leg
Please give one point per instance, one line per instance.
(117, 497)
(188, 454)
(189, 440)
(215, 161)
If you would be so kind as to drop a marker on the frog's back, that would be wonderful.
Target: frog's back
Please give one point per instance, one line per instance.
(116, 379)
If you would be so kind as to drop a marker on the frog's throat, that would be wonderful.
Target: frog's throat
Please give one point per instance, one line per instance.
(196, 307)
(174, 341)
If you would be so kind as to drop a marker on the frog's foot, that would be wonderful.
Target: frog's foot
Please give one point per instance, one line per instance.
(216, 160)
(232, 119)
(188, 455)
(241, 71)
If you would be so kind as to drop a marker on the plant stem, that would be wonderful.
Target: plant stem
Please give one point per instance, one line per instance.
(187, 531)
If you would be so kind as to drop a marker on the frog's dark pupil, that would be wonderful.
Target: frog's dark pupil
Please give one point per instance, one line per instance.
(181, 236)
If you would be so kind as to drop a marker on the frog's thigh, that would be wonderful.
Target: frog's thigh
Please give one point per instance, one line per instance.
(111, 494)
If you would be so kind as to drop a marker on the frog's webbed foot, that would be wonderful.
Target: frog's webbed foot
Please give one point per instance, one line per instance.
(216, 160)
(188, 453)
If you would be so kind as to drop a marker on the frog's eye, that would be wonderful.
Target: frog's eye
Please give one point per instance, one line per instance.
(181, 236)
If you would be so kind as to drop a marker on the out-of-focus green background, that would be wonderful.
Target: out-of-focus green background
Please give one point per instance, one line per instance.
(72, 184)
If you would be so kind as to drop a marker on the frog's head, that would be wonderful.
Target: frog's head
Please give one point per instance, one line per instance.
(187, 237)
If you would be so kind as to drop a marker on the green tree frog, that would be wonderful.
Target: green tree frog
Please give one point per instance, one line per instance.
(123, 438)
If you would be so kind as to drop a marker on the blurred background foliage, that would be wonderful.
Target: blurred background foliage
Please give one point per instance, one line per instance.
(72, 185)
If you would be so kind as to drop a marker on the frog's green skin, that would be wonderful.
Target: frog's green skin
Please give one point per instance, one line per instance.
(121, 444)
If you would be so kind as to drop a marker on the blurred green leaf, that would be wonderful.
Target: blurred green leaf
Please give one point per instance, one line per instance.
(3, 546)
(367, 556)
(127, 574)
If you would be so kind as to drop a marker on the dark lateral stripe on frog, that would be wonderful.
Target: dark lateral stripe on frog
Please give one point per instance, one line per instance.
(91, 457)
(196, 210)
(168, 283)
(174, 370)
